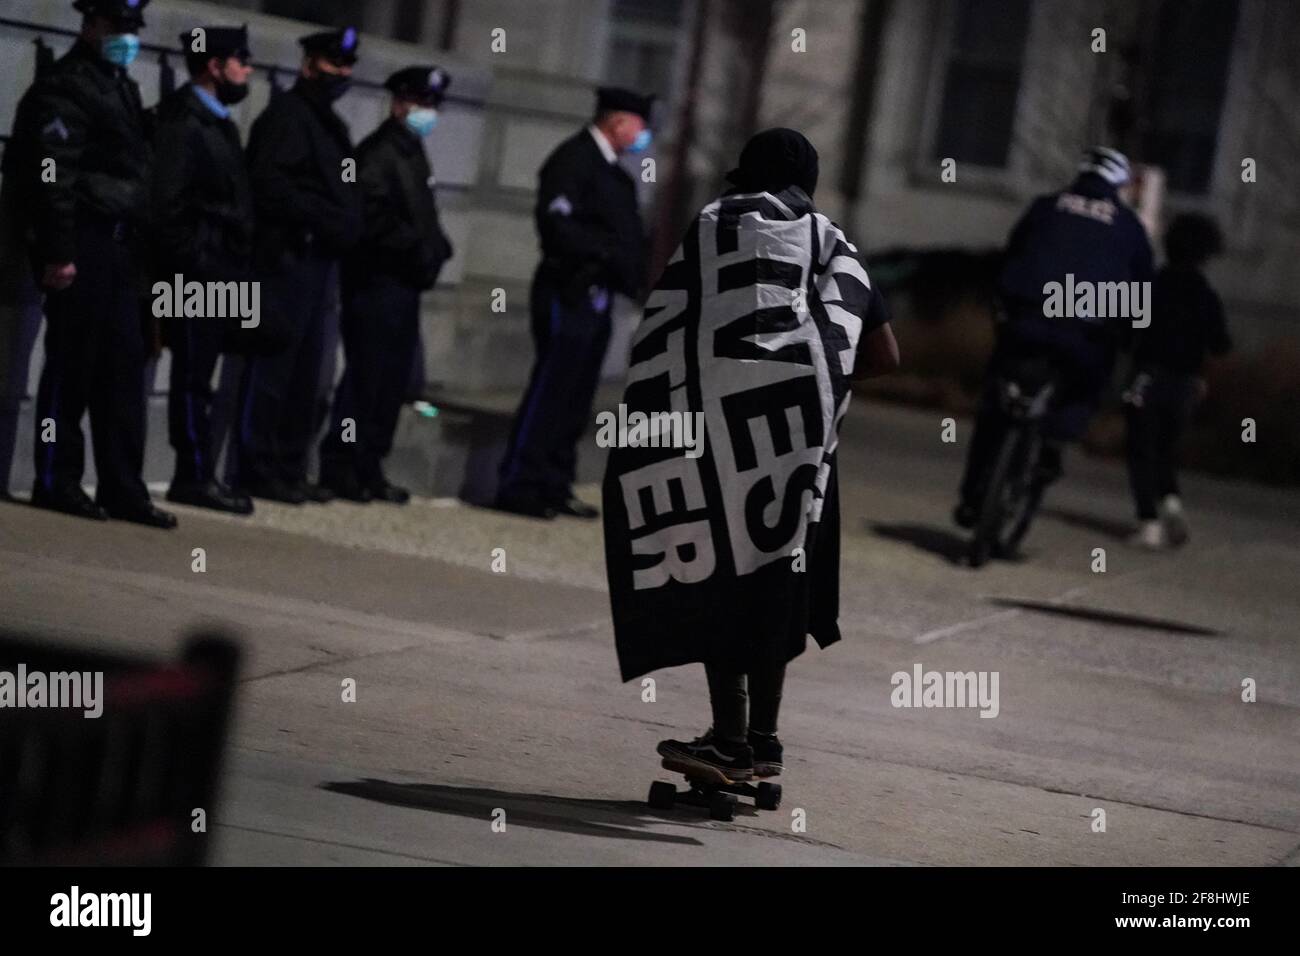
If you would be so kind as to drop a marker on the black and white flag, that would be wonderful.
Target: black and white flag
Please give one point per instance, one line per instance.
(733, 554)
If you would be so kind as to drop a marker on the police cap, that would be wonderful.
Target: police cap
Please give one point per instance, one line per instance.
(613, 98)
(338, 46)
(426, 85)
(219, 43)
(127, 13)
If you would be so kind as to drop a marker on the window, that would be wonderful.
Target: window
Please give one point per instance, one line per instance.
(1187, 80)
(643, 44)
(982, 80)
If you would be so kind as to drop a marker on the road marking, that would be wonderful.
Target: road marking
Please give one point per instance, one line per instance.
(961, 626)
(977, 622)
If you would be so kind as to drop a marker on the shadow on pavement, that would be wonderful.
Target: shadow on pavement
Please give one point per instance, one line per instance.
(1109, 617)
(1119, 530)
(944, 543)
(543, 812)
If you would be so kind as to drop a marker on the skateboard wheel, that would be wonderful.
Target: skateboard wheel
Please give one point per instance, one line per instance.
(769, 796)
(662, 795)
(722, 806)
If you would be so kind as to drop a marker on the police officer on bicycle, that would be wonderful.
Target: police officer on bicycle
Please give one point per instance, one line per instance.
(1083, 234)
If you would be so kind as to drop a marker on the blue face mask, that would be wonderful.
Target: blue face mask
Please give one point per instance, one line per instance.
(421, 121)
(639, 144)
(120, 49)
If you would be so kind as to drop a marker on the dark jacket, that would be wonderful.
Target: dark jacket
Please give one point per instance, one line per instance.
(1086, 231)
(296, 150)
(201, 203)
(86, 115)
(401, 235)
(587, 218)
(1186, 323)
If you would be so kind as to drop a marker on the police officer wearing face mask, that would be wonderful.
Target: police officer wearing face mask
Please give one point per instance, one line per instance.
(402, 250)
(202, 212)
(593, 245)
(81, 151)
(308, 217)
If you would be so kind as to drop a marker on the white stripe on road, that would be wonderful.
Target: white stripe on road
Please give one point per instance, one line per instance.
(977, 622)
(960, 626)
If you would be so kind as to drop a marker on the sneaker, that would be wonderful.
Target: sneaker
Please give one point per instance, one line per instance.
(1149, 535)
(1174, 521)
(709, 757)
(769, 757)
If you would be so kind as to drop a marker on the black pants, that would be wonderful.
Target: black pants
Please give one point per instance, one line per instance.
(94, 361)
(1157, 405)
(195, 346)
(744, 702)
(571, 338)
(381, 333)
(20, 326)
(279, 405)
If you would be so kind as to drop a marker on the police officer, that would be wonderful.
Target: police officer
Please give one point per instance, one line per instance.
(593, 245)
(400, 255)
(81, 149)
(1085, 231)
(202, 212)
(308, 213)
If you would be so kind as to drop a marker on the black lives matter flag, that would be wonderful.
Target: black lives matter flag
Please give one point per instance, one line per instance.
(733, 556)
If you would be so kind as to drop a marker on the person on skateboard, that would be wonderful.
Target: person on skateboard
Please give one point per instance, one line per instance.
(727, 553)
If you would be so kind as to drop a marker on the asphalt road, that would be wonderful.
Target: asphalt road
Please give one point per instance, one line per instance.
(485, 696)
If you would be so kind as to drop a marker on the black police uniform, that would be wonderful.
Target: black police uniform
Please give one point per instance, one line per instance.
(1096, 238)
(593, 244)
(85, 114)
(307, 218)
(402, 250)
(202, 212)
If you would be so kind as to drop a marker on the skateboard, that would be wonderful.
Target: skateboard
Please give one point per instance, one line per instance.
(713, 792)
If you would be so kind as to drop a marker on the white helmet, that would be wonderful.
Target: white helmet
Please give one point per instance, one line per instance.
(1110, 164)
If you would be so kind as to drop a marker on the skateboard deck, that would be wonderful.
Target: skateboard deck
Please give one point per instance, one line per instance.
(713, 791)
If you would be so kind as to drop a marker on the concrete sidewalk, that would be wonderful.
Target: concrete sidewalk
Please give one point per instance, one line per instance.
(480, 691)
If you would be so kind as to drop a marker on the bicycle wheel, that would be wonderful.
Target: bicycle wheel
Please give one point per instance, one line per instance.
(1001, 498)
(1023, 502)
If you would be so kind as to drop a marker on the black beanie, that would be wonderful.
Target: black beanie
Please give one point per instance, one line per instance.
(774, 159)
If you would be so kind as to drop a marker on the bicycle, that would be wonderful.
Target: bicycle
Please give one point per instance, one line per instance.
(1016, 480)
